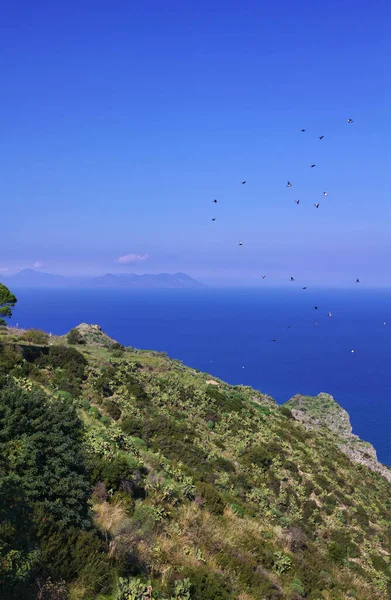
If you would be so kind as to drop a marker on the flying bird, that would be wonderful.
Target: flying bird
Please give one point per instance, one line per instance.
(357, 280)
(329, 314)
(214, 201)
(304, 288)
(325, 193)
(352, 351)
(214, 219)
(350, 120)
(292, 279)
(315, 307)
(243, 182)
(302, 130)
(240, 244)
(289, 184)
(263, 276)
(297, 201)
(312, 166)
(316, 204)
(321, 137)
(274, 340)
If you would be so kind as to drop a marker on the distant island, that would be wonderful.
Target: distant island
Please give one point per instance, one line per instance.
(34, 278)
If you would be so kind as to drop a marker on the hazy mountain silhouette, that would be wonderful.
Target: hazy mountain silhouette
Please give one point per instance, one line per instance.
(33, 278)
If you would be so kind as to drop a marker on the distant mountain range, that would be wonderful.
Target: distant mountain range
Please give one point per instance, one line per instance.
(33, 278)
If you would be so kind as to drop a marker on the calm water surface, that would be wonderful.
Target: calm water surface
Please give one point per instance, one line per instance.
(229, 334)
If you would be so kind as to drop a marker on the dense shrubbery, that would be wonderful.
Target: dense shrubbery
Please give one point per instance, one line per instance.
(205, 491)
(43, 472)
(35, 336)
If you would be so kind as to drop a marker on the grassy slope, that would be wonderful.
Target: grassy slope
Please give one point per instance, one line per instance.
(235, 488)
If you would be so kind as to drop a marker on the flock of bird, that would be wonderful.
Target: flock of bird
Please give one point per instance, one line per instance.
(297, 202)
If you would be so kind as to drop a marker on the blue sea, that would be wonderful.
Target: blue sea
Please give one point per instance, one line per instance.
(229, 334)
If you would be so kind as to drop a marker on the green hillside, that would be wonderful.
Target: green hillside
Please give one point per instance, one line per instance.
(126, 475)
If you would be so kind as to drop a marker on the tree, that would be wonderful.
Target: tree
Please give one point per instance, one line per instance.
(7, 302)
(41, 443)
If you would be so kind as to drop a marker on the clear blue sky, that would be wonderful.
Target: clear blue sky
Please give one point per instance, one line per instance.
(122, 121)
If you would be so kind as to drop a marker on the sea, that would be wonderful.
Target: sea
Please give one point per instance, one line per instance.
(271, 339)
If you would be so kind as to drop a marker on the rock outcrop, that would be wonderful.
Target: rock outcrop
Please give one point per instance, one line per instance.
(322, 410)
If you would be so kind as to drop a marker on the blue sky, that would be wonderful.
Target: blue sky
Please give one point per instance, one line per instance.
(121, 122)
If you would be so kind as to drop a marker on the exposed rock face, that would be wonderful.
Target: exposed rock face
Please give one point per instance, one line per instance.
(320, 411)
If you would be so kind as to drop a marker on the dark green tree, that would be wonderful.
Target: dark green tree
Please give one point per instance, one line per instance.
(41, 443)
(44, 490)
(7, 302)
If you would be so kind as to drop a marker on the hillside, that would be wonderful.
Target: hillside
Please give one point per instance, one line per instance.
(126, 475)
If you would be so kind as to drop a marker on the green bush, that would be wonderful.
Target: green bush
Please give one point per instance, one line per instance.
(68, 359)
(258, 456)
(35, 336)
(208, 585)
(118, 348)
(117, 474)
(297, 586)
(284, 410)
(9, 358)
(67, 553)
(131, 426)
(211, 497)
(237, 510)
(112, 409)
(94, 412)
(85, 404)
(74, 337)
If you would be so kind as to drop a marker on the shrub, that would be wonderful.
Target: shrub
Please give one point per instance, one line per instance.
(208, 585)
(112, 409)
(361, 516)
(9, 358)
(74, 337)
(35, 336)
(85, 404)
(211, 424)
(297, 586)
(116, 474)
(237, 510)
(131, 426)
(337, 552)
(136, 390)
(68, 359)
(258, 456)
(68, 553)
(284, 410)
(94, 412)
(211, 497)
(118, 348)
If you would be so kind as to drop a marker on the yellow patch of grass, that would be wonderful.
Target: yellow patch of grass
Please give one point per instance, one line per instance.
(109, 517)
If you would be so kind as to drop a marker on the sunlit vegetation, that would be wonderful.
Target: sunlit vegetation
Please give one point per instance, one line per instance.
(124, 475)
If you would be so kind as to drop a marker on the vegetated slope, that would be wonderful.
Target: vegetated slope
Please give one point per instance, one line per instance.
(197, 490)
